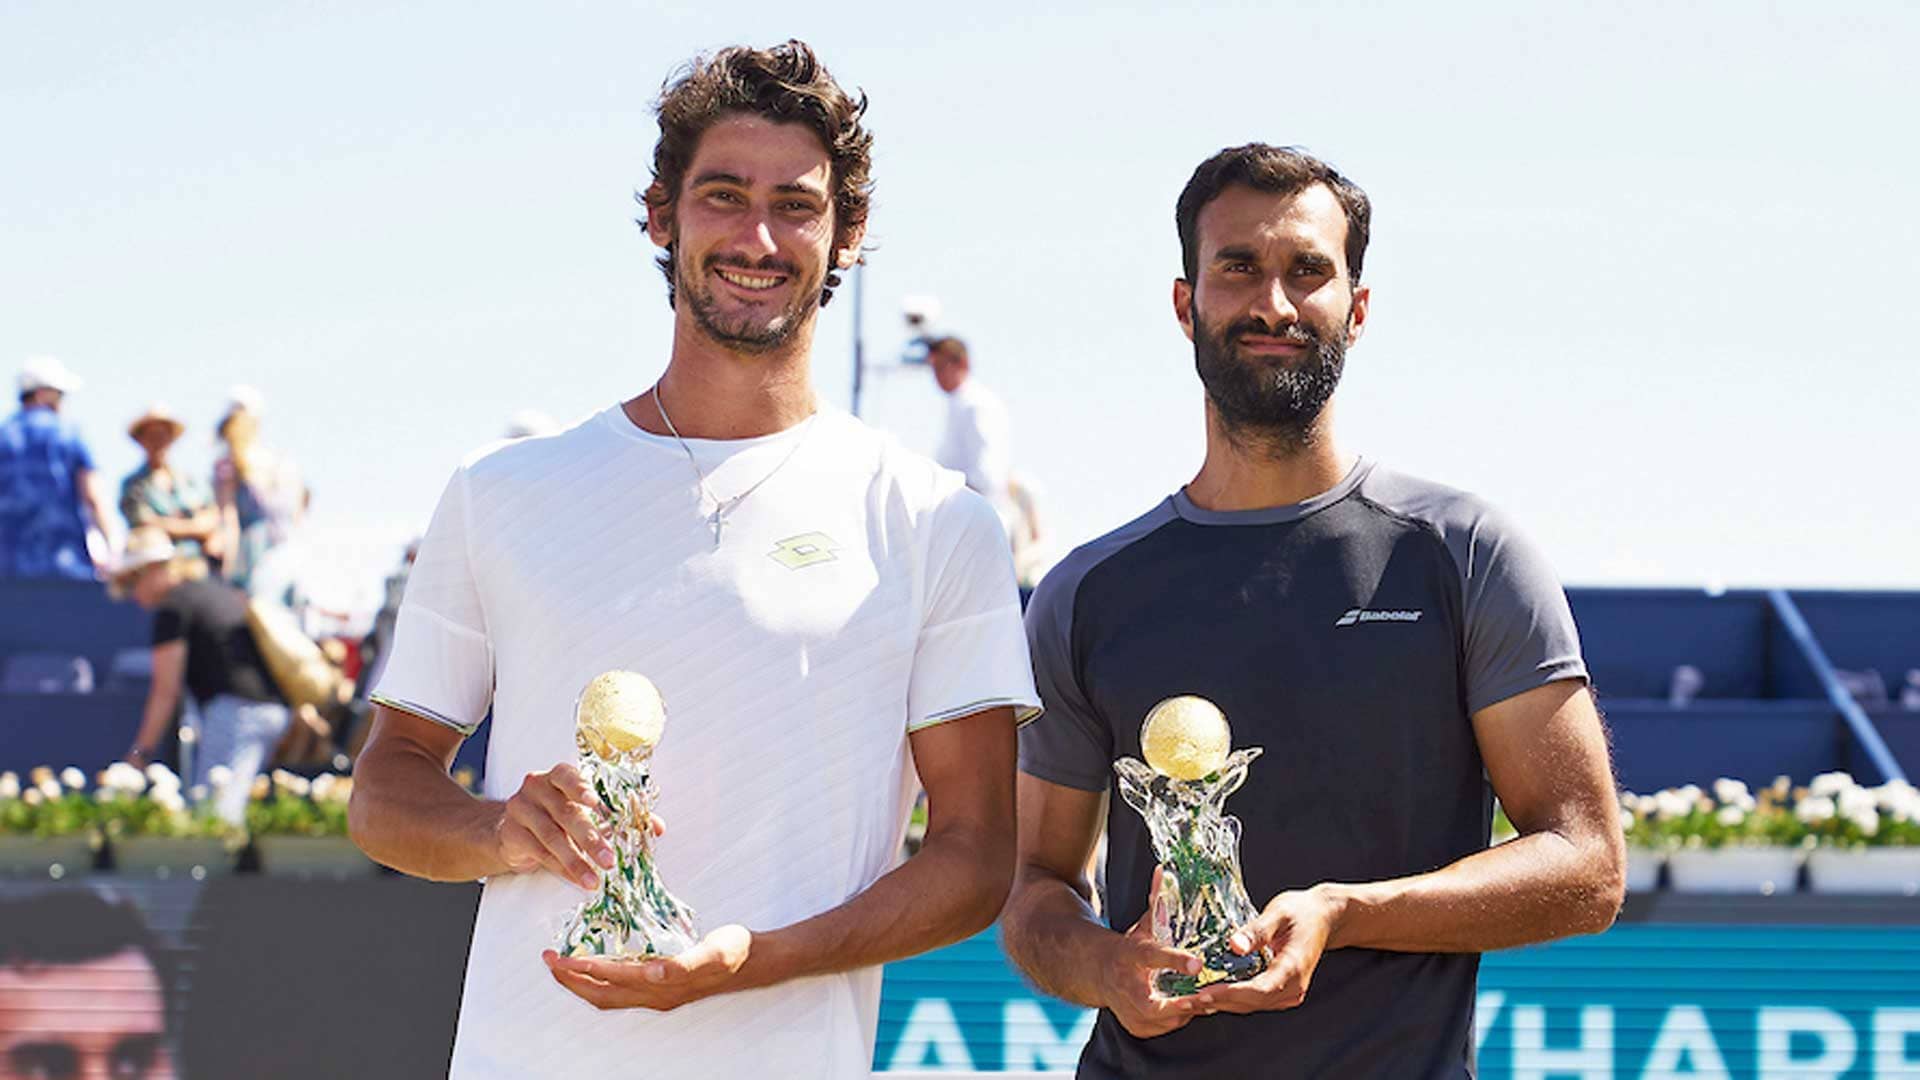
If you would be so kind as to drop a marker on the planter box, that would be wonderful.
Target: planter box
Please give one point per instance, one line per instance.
(45, 857)
(1884, 871)
(1643, 869)
(166, 857)
(312, 857)
(1759, 870)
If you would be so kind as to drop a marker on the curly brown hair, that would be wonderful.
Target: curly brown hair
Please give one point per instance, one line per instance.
(785, 84)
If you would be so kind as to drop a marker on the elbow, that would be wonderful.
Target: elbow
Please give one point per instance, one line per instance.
(991, 884)
(1605, 885)
(360, 827)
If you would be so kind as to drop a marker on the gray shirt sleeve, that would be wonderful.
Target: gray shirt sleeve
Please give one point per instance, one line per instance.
(1519, 628)
(1070, 744)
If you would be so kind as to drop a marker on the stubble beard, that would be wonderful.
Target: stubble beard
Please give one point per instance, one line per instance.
(1272, 403)
(747, 332)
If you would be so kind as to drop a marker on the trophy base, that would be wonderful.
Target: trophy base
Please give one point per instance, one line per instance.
(1218, 964)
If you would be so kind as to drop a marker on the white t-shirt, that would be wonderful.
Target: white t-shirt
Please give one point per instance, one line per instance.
(860, 594)
(978, 441)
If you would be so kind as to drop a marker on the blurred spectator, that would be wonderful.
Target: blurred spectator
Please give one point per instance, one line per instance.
(1910, 693)
(260, 494)
(978, 442)
(156, 495)
(201, 640)
(48, 490)
(83, 993)
(1686, 684)
(376, 646)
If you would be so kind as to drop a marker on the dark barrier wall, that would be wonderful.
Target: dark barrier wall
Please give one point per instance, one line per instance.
(324, 980)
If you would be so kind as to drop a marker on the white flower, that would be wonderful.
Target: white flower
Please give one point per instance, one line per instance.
(197, 793)
(169, 799)
(1728, 792)
(1868, 822)
(123, 777)
(219, 777)
(1671, 804)
(32, 797)
(159, 774)
(73, 778)
(1731, 816)
(1856, 802)
(49, 788)
(1830, 783)
(323, 787)
(1893, 794)
(9, 786)
(1814, 809)
(1626, 819)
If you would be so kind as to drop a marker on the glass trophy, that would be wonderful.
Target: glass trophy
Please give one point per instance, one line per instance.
(1181, 790)
(618, 721)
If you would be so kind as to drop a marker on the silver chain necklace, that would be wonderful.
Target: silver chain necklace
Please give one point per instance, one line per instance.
(722, 507)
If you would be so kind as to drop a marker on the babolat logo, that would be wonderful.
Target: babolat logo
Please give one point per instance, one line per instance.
(806, 549)
(1364, 615)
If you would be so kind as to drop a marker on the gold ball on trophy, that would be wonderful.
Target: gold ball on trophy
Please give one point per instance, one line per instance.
(620, 712)
(1186, 738)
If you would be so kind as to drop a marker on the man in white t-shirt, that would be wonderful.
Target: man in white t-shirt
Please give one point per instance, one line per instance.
(828, 617)
(978, 441)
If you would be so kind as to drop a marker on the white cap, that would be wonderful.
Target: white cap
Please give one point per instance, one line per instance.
(528, 422)
(47, 373)
(242, 396)
(920, 309)
(145, 546)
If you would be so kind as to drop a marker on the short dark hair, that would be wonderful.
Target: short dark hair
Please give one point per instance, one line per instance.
(1277, 170)
(71, 926)
(949, 344)
(786, 84)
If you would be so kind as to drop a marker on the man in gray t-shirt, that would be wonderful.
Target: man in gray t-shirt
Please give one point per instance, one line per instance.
(1398, 649)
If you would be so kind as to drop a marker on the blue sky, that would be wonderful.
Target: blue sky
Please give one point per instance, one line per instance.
(1643, 274)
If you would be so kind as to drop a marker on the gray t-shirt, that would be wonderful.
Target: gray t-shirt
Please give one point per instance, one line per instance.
(1353, 636)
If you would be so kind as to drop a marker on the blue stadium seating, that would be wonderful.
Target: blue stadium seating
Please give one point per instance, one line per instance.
(1763, 706)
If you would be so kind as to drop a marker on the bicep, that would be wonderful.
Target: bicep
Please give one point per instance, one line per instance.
(398, 733)
(966, 766)
(1546, 755)
(1058, 828)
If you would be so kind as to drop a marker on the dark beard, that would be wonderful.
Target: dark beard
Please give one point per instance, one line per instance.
(746, 334)
(1268, 400)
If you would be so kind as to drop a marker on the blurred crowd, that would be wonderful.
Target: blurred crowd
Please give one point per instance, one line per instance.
(54, 516)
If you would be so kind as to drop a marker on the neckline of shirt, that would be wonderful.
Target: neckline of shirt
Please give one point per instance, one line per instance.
(1184, 508)
(616, 418)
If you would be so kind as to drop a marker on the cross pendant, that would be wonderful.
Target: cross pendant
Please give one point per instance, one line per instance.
(716, 521)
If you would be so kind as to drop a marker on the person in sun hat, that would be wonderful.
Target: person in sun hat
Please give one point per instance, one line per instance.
(156, 494)
(202, 645)
(51, 512)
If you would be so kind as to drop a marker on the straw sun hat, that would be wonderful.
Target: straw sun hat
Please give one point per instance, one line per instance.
(156, 413)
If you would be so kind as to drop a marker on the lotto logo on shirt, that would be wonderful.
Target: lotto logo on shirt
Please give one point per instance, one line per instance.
(807, 549)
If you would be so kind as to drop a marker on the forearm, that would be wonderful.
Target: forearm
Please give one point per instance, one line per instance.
(407, 813)
(156, 715)
(951, 889)
(1052, 934)
(1538, 887)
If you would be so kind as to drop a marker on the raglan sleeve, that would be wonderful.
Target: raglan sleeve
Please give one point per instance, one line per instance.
(970, 654)
(1071, 745)
(1520, 632)
(441, 665)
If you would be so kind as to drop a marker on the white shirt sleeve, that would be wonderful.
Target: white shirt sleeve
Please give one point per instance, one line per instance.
(972, 651)
(441, 664)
